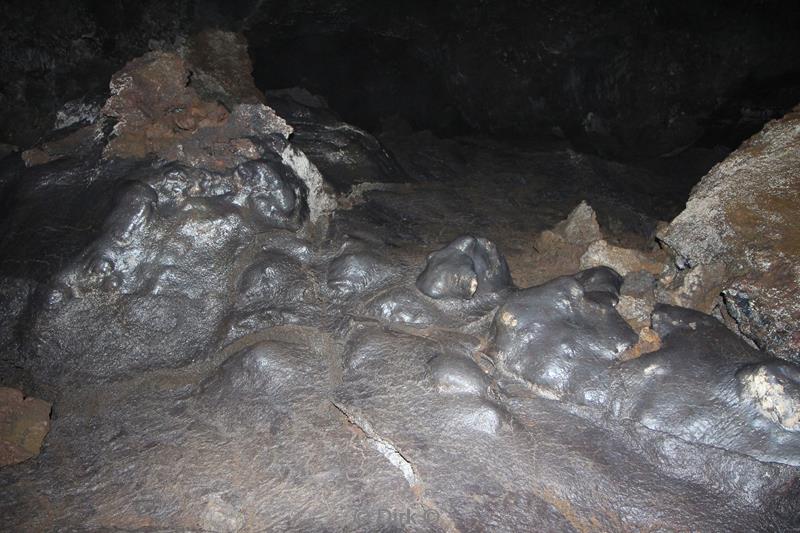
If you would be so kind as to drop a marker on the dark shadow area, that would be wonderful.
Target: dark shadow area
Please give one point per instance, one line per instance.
(364, 77)
(626, 80)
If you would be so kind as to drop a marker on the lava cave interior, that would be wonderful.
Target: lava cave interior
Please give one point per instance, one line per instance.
(363, 265)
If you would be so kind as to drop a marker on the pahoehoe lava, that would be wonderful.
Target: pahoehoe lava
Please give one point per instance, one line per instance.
(251, 315)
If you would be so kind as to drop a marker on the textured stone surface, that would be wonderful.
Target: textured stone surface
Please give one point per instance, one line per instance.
(742, 220)
(580, 227)
(226, 352)
(24, 423)
(158, 112)
(623, 260)
(637, 298)
(706, 386)
(346, 155)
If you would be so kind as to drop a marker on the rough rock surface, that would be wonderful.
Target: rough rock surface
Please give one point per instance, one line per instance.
(580, 227)
(623, 260)
(222, 359)
(739, 233)
(192, 183)
(637, 298)
(24, 423)
(348, 156)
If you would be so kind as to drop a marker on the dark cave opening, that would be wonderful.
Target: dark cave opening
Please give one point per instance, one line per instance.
(367, 265)
(379, 79)
(670, 89)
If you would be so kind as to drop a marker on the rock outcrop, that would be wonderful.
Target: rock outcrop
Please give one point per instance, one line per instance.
(739, 237)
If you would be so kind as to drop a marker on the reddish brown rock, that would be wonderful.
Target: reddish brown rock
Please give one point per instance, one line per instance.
(24, 422)
(649, 341)
(159, 113)
(220, 59)
(61, 147)
(742, 220)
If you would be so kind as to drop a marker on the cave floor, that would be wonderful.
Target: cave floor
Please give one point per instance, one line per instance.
(321, 417)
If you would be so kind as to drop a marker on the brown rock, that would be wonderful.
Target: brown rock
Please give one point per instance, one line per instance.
(623, 260)
(24, 422)
(221, 61)
(559, 250)
(649, 341)
(59, 148)
(743, 216)
(580, 226)
(635, 311)
(696, 288)
(637, 299)
(160, 113)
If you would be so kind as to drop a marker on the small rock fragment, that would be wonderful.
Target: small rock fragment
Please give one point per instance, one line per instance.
(24, 422)
(623, 260)
(696, 288)
(636, 311)
(219, 515)
(637, 299)
(649, 341)
(580, 226)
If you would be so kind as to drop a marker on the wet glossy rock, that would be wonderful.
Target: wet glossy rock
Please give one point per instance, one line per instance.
(602, 284)
(229, 354)
(274, 193)
(465, 268)
(556, 337)
(458, 375)
(356, 271)
(705, 385)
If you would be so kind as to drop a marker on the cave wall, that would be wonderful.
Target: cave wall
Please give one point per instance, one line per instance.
(54, 52)
(619, 78)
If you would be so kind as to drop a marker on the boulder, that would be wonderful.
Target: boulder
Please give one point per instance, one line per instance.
(741, 219)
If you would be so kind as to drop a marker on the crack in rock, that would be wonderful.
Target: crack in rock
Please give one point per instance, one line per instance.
(399, 461)
(386, 448)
